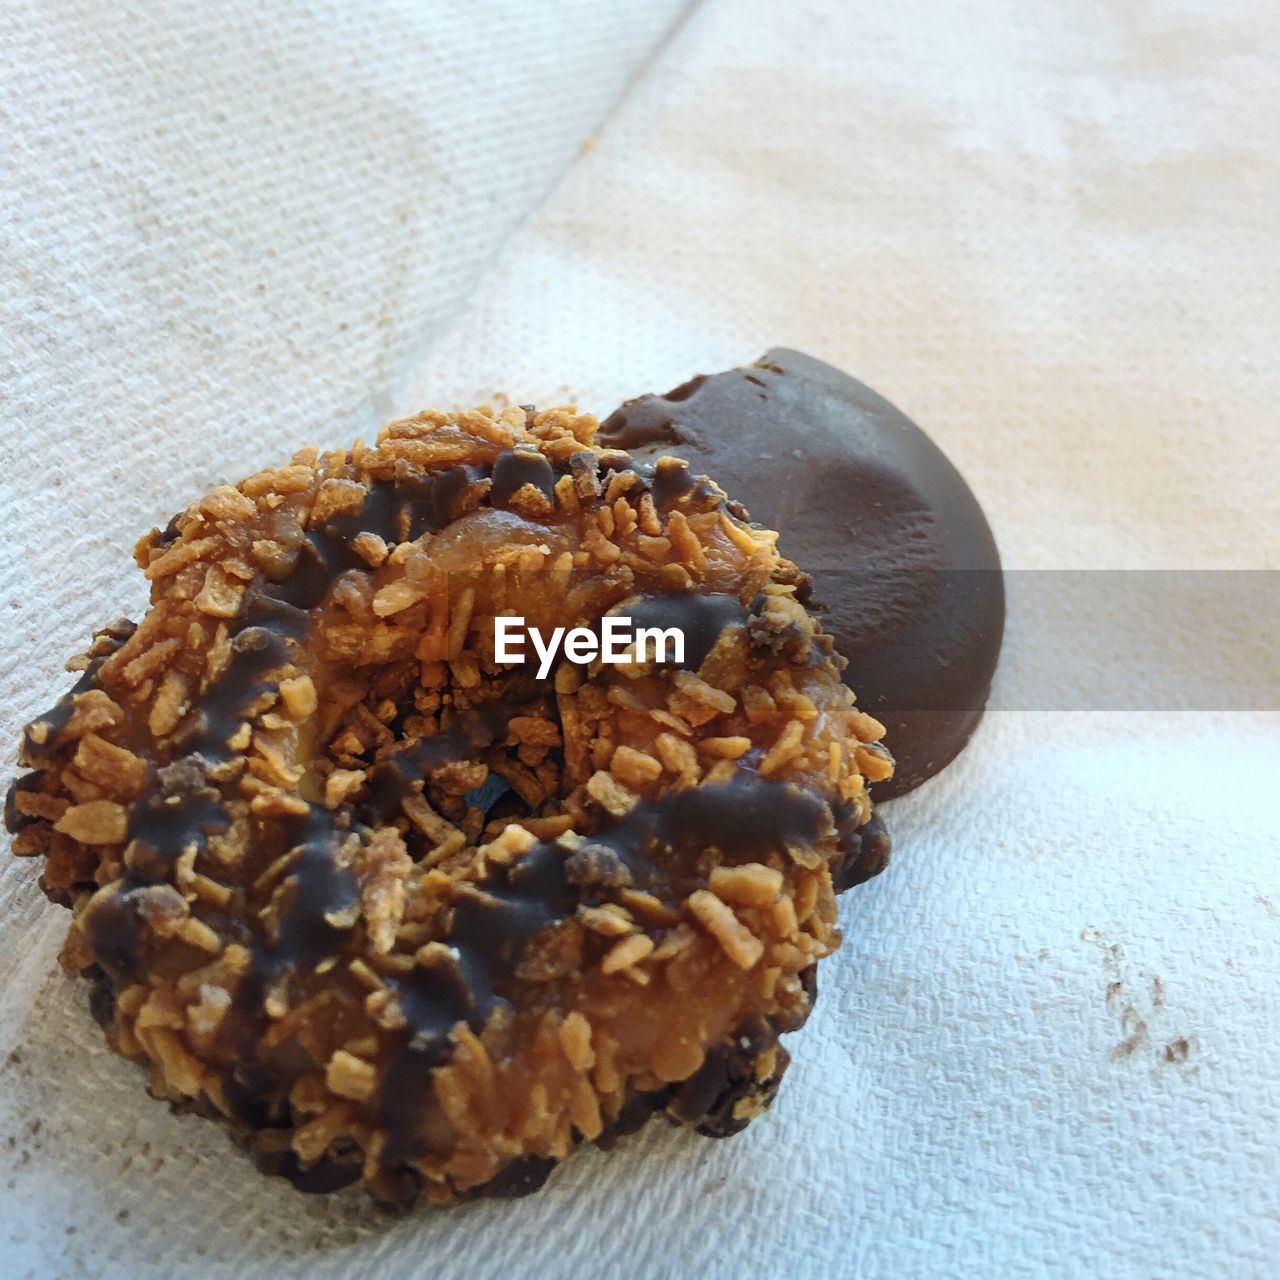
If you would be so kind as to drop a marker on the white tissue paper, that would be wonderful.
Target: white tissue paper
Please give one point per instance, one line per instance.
(1048, 1045)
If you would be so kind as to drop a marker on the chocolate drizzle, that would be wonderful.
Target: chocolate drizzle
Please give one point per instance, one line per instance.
(669, 479)
(672, 480)
(113, 928)
(180, 809)
(256, 652)
(487, 933)
(106, 641)
(701, 618)
(398, 774)
(659, 842)
(746, 818)
(399, 510)
(55, 719)
(392, 781)
(516, 468)
(307, 930)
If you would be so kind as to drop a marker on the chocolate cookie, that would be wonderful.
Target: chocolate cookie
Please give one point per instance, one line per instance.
(906, 575)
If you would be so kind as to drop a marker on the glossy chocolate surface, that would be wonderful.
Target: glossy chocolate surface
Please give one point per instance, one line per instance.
(906, 574)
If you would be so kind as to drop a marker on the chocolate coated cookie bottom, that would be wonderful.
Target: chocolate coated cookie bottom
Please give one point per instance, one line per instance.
(906, 575)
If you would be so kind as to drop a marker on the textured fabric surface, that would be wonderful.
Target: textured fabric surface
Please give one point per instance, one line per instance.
(1048, 1044)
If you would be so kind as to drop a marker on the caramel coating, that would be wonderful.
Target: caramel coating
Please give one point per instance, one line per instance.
(399, 914)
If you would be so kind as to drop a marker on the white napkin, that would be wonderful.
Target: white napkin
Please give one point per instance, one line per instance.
(1048, 1044)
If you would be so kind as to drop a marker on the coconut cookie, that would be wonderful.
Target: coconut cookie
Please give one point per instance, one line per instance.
(402, 914)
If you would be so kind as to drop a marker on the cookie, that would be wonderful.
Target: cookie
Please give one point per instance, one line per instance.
(400, 913)
(905, 572)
